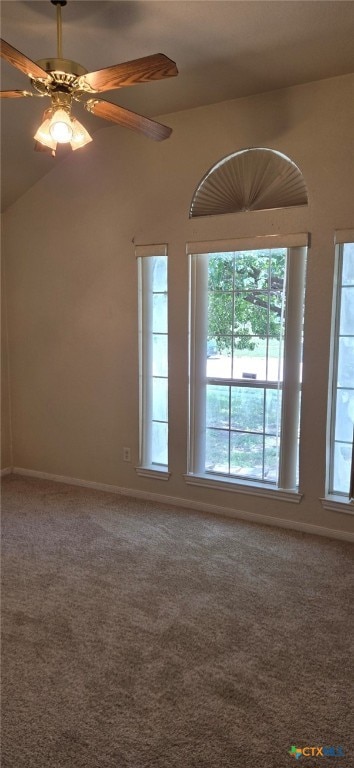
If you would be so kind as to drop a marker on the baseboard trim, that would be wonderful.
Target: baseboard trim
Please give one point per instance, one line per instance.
(70, 480)
(199, 506)
(239, 514)
(5, 471)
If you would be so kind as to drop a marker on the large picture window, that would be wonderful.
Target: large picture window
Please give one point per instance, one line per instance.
(342, 375)
(153, 357)
(245, 368)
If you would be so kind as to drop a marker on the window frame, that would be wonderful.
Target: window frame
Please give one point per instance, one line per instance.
(144, 255)
(335, 500)
(296, 270)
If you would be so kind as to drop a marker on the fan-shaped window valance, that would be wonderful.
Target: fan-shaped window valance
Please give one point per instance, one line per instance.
(249, 180)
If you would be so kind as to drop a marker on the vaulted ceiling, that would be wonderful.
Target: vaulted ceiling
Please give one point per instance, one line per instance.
(223, 50)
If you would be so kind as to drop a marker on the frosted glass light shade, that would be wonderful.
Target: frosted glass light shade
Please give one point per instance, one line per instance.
(80, 135)
(43, 135)
(60, 127)
(255, 179)
(51, 127)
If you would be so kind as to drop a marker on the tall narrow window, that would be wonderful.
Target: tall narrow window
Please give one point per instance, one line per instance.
(245, 371)
(342, 375)
(153, 348)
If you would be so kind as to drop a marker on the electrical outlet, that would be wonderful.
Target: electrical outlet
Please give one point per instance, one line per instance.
(126, 454)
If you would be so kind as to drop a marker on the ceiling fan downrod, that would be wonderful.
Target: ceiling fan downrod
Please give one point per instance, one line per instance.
(59, 4)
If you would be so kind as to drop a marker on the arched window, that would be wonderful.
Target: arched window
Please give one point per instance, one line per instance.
(255, 179)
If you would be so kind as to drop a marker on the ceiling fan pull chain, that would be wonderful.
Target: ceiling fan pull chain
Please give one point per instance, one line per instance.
(59, 4)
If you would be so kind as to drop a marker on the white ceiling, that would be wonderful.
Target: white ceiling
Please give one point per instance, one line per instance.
(223, 50)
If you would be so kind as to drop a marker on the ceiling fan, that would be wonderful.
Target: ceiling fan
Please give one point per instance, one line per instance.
(66, 81)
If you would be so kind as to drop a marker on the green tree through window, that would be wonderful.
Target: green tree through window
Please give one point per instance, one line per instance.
(245, 298)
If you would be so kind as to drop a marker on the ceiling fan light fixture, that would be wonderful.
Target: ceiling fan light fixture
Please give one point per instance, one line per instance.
(65, 81)
(80, 135)
(60, 127)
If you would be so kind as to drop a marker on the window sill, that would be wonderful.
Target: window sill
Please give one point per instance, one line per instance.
(153, 473)
(250, 489)
(338, 504)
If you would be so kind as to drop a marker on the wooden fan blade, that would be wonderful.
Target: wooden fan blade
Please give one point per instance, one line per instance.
(129, 119)
(154, 67)
(15, 94)
(20, 61)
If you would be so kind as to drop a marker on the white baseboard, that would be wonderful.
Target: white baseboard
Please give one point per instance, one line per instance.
(239, 514)
(199, 506)
(5, 471)
(69, 480)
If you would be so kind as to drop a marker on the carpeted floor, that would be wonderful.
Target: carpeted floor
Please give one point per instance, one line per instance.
(138, 635)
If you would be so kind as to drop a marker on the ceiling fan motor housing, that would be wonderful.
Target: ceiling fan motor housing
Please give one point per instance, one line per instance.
(63, 75)
(62, 66)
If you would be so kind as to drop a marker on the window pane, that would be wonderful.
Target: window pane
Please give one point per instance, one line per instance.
(271, 459)
(342, 405)
(159, 399)
(159, 360)
(250, 356)
(277, 267)
(221, 272)
(347, 312)
(251, 313)
(273, 411)
(247, 455)
(241, 339)
(153, 359)
(346, 362)
(344, 415)
(219, 362)
(348, 264)
(342, 464)
(159, 277)
(218, 406)
(220, 314)
(159, 313)
(250, 359)
(276, 319)
(247, 409)
(213, 349)
(159, 443)
(275, 360)
(217, 450)
(252, 270)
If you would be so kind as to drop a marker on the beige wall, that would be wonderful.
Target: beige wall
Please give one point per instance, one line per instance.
(72, 284)
(6, 458)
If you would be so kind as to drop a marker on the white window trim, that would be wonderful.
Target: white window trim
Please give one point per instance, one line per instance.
(331, 501)
(342, 236)
(146, 467)
(249, 243)
(238, 486)
(297, 245)
(338, 504)
(158, 473)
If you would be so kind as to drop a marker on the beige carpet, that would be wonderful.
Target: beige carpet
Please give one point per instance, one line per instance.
(138, 635)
